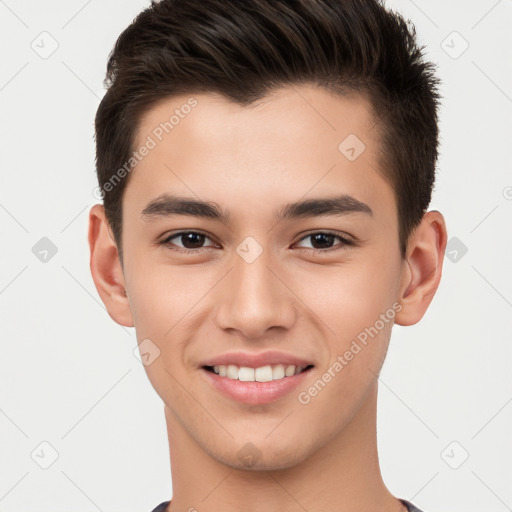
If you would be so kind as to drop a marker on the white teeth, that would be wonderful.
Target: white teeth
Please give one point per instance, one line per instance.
(232, 372)
(290, 370)
(278, 372)
(246, 374)
(261, 374)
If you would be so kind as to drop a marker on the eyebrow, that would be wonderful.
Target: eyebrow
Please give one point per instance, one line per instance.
(167, 205)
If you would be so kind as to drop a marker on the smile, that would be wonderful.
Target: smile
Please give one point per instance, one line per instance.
(265, 373)
(255, 386)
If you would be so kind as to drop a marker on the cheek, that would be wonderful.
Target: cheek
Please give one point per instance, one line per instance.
(349, 298)
(162, 301)
(168, 307)
(160, 297)
(357, 313)
(356, 305)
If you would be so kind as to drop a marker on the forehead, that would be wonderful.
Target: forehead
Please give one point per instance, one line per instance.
(306, 112)
(296, 140)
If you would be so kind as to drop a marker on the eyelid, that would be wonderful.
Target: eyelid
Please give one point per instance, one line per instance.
(169, 236)
(346, 240)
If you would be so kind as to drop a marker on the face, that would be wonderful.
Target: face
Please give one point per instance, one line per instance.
(267, 273)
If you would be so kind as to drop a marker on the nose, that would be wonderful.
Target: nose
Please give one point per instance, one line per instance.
(255, 298)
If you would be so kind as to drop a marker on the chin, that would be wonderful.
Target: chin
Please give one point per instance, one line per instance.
(250, 457)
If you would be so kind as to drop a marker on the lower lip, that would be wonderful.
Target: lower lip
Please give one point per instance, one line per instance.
(255, 392)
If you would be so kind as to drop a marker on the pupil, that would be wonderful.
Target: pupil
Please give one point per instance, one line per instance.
(189, 239)
(322, 236)
(195, 240)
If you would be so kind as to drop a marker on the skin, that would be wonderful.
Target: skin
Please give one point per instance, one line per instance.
(251, 161)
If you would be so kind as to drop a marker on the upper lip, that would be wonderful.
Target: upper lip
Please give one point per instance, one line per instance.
(256, 360)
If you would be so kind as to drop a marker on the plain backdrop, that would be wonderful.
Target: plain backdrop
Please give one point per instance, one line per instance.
(74, 397)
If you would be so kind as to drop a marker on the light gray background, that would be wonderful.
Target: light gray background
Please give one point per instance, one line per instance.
(69, 377)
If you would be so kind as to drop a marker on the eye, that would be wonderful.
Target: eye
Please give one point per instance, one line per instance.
(191, 241)
(325, 240)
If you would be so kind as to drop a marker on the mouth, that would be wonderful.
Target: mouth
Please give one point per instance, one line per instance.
(265, 373)
(256, 386)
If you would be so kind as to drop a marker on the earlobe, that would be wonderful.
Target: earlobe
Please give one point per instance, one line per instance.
(422, 268)
(106, 269)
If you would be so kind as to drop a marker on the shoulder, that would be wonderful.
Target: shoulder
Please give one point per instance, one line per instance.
(162, 507)
(410, 507)
(408, 504)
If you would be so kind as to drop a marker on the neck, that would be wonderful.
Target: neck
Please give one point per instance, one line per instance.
(342, 475)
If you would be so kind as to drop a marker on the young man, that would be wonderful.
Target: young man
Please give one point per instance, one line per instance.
(266, 168)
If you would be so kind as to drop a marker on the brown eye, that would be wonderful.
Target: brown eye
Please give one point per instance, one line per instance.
(192, 240)
(323, 241)
(187, 241)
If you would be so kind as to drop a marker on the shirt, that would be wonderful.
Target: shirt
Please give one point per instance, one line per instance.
(410, 507)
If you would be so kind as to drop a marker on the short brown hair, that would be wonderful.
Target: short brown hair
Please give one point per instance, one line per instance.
(244, 49)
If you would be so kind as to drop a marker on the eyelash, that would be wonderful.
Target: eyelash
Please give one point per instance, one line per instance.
(344, 242)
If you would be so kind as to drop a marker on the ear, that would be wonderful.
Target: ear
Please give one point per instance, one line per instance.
(106, 268)
(422, 268)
